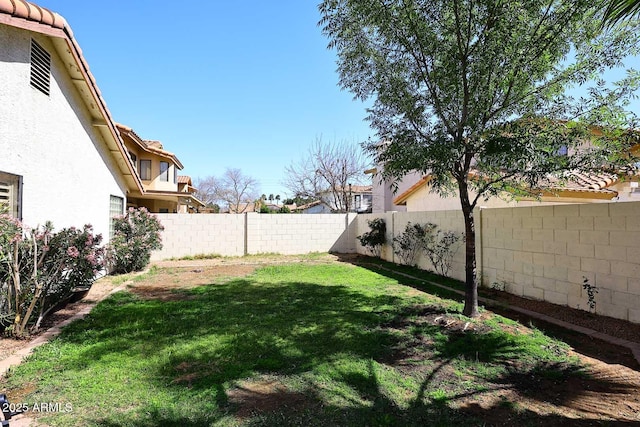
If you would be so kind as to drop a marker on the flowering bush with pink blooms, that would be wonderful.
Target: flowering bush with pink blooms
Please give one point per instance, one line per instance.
(40, 268)
(135, 235)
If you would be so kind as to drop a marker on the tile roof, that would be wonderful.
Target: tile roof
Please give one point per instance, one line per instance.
(32, 12)
(148, 145)
(575, 181)
(183, 179)
(571, 182)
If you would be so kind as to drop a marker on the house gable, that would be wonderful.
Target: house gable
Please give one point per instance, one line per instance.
(62, 144)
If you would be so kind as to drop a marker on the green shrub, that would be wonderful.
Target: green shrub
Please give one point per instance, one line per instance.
(412, 241)
(39, 269)
(374, 239)
(441, 247)
(135, 235)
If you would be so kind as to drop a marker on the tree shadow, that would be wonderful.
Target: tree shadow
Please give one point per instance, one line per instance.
(237, 330)
(583, 344)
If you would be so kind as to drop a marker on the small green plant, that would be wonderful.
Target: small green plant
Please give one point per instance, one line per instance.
(412, 241)
(499, 285)
(592, 290)
(441, 247)
(135, 235)
(374, 239)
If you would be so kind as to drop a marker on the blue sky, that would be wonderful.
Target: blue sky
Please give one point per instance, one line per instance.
(241, 84)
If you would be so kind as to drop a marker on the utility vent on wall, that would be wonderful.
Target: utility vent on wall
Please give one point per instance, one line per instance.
(40, 68)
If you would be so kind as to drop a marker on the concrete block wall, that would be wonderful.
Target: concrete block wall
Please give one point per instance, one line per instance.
(545, 252)
(291, 234)
(253, 233)
(539, 252)
(396, 223)
(186, 234)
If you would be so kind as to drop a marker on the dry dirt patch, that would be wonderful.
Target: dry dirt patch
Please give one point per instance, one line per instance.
(263, 396)
(164, 284)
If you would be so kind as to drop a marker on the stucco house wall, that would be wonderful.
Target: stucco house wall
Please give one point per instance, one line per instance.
(51, 141)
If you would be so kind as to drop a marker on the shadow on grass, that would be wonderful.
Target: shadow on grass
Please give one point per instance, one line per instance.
(236, 328)
(588, 346)
(193, 351)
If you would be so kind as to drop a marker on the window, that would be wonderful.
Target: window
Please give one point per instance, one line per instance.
(40, 68)
(145, 170)
(11, 194)
(116, 208)
(358, 202)
(133, 158)
(164, 171)
(175, 174)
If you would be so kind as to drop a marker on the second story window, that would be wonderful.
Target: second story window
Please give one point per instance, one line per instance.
(145, 170)
(164, 171)
(133, 158)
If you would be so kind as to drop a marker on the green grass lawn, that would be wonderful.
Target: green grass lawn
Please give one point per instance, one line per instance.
(291, 344)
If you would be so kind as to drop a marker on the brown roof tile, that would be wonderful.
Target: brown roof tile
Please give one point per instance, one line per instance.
(582, 182)
(572, 181)
(32, 12)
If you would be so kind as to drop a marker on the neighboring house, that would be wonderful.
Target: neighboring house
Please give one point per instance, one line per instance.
(158, 171)
(317, 207)
(185, 185)
(359, 198)
(383, 193)
(243, 208)
(574, 188)
(61, 157)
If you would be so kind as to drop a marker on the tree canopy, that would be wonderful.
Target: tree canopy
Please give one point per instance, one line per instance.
(620, 10)
(477, 93)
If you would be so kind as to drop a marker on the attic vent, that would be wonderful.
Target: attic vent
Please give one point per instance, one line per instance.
(40, 68)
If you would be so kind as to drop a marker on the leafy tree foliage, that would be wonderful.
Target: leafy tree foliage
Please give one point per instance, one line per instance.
(474, 93)
(620, 10)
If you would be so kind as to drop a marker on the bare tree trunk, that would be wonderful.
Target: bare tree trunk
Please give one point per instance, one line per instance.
(471, 291)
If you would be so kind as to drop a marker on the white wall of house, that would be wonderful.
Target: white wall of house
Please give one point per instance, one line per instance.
(68, 173)
(383, 194)
(320, 208)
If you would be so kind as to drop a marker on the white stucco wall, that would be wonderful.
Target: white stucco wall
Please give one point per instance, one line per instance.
(68, 173)
(383, 194)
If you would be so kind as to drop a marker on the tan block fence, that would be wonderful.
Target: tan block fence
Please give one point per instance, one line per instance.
(254, 233)
(541, 252)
